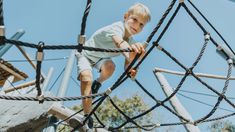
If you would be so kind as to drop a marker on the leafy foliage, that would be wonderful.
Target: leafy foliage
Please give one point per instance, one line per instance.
(133, 106)
(222, 126)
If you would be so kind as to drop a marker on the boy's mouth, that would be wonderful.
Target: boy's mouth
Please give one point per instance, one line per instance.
(133, 29)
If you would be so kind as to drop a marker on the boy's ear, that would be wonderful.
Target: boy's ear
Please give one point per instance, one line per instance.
(126, 15)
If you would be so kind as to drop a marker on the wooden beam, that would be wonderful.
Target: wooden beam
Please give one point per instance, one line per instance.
(27, 84)
(197, 74)
(12, 72)
(62, 112)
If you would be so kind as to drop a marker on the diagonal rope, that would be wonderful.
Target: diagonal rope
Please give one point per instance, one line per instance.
(193, 5)
(220, 98)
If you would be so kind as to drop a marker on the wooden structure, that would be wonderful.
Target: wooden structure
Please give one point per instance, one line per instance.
(7, 70)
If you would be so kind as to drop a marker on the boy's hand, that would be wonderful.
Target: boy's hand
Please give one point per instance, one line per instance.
(132, 73)
(138, 48)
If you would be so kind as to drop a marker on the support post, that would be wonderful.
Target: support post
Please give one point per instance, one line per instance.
(16, 36)
(178, 107)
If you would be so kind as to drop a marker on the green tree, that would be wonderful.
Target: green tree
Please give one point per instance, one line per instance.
(222, 126)
(131, 106)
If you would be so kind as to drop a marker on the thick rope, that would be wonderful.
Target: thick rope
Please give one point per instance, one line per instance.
(161, 21)
(1, 13)
(160, 36)
(38, 70)
(125, 75)
(114, 86)
(84, 18)
(64, 47)
(211, 25)
(220, 98)
(30, 98)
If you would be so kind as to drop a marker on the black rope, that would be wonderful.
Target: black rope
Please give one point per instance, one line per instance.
(29, 98)
(126, 116)
(97, 118)
(160, 36)
(201, 102)
(2, 28)
(220, 98)
(204, 94)
(63, 47)
(38, 70)
(114, 86)
(149, 94)
(140, 115)
(1, 13)
(219, 118)
(125, 74)
(213, 90)
(84, 18)
(77, 112)
(161, 21)
(194, 18)
(211, 25)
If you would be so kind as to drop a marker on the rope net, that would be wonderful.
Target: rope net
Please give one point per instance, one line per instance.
(188, 71)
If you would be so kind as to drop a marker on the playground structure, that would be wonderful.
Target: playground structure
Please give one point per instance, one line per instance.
(225, 51)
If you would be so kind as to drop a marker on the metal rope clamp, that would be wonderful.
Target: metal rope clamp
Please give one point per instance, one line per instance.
(207, 37)
(81, 41)
(226, 53)
(40, 98)
(40, 55)
(108, 91)
(145, 44)
(2, 35)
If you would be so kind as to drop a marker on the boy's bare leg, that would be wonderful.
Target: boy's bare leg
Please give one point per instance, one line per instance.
(107, 70)
(86, 80)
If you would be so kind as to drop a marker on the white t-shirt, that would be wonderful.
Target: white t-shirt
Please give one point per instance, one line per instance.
(102, 38)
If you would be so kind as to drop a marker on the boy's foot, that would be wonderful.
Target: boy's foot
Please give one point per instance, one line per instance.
(89, 122)
(74, 123)
(95, 87)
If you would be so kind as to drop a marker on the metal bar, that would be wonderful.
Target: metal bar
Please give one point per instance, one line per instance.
(197, 74)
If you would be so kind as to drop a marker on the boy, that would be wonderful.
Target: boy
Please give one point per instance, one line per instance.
(116, 35)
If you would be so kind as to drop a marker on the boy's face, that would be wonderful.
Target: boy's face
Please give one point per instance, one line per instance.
(134, 23)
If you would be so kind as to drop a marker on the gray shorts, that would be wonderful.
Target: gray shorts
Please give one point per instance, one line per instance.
(84, 63)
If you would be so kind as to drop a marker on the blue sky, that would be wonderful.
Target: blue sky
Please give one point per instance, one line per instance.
(58, 22)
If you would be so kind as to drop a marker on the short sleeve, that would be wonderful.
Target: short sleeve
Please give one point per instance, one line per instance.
(115, 30)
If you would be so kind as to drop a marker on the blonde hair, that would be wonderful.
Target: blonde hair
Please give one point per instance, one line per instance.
(140, 9)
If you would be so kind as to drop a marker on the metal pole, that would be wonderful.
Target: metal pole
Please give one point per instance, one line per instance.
(178, 107)
(64, 83)
(47, 79)
(16, 36)
(67, 74)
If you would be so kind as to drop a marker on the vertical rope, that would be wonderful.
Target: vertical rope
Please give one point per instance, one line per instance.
(221, 96)
(81, 38)
(1, 13)
(39, 58)
(84, 18)
(2, 28)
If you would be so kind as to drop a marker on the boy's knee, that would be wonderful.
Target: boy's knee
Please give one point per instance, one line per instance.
(109, 65)
(86, 76)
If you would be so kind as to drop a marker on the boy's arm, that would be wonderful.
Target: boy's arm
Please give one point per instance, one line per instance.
(137, 47)
(120, 43)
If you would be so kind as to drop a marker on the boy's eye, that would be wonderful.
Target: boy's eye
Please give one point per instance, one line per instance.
(134, 19)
